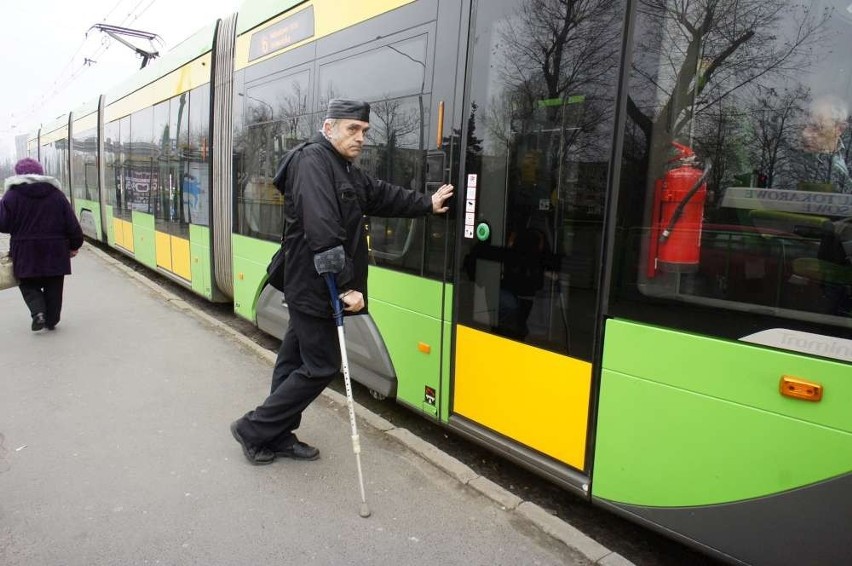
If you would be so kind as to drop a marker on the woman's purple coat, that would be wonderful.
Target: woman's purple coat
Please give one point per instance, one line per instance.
(42, 224)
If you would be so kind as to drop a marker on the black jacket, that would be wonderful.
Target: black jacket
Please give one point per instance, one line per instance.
(325, 200)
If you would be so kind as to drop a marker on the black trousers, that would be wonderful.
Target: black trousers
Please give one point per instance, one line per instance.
(308, 360)
(44, 295)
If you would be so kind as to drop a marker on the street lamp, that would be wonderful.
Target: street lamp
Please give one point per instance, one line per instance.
(271, 110)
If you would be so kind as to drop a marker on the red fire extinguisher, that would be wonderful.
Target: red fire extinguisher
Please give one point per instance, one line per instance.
(677, 216)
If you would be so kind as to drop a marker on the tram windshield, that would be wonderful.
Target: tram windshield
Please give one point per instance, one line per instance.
(737, 156)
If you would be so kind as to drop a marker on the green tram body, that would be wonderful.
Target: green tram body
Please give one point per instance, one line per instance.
(533, 318)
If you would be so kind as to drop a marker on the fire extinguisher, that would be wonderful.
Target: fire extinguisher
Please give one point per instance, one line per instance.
(678, 214)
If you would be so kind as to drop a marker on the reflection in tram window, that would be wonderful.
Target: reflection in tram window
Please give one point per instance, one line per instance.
(539, 138)
(84, 154)
(276, 119)
(758, 93)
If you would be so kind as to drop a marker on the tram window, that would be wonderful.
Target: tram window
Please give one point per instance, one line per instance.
(195, 159)
(84, 181)
(394, 153)
(112, 184)
(735, 185)
(163, 187)
(276, 118)
(396, 69)
(54, 157)
(141, 178)
(124, 166)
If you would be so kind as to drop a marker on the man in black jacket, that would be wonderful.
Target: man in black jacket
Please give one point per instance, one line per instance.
(325, 199)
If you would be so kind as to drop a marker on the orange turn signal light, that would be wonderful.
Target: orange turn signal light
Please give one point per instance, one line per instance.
(797, 388)
(425, 348)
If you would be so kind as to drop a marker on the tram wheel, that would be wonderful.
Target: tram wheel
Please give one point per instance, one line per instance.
(377, 396)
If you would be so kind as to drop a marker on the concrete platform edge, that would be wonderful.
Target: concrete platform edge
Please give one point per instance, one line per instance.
(546, 522)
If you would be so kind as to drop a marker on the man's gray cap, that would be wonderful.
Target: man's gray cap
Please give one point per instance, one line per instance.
(348, 108)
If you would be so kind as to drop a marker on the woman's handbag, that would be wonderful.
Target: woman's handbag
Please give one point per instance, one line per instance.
(7, 273)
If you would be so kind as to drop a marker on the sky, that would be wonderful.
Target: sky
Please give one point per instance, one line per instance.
(43, 69)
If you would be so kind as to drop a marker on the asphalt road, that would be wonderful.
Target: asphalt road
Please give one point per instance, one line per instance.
(116, 450)
(640, 545)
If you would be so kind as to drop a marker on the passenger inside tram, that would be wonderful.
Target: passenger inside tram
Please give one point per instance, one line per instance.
(822, 139)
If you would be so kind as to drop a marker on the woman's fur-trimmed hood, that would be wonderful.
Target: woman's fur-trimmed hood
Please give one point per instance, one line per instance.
(33, 185)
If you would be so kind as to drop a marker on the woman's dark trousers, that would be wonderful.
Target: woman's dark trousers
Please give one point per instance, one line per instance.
(308, 360)
(44, 295)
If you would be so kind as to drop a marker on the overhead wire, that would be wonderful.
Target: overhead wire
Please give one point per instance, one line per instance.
(62, 82)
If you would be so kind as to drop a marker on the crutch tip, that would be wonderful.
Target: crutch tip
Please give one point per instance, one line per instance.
(365, 511)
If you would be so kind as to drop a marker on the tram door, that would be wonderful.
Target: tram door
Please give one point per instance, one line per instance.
(534, 180)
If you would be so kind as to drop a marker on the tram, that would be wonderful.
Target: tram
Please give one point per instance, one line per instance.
(643, 291)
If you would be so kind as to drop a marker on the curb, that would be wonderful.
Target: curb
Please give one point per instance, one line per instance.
(550, 524)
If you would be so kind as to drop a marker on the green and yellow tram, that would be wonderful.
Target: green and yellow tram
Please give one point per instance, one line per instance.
(644, 289)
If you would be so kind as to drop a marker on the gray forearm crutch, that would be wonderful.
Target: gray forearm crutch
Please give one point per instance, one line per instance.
(337, 306)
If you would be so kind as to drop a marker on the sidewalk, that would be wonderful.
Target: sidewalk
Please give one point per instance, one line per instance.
(117, 451)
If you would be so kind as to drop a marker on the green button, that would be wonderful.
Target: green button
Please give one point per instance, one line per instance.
(483, 231)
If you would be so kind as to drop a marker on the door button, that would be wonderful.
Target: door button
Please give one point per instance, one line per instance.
(483, 231)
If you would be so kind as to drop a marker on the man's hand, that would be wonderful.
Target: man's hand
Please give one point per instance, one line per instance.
(73, 253)
(353, 301)
(440, 197)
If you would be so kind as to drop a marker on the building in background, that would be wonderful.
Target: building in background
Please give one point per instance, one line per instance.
(20, 146)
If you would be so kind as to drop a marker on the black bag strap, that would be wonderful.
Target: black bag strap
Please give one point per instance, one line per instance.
(281, 175)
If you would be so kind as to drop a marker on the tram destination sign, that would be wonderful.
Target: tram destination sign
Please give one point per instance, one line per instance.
(288, 31)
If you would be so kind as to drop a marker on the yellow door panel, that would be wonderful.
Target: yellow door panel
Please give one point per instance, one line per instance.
(536, 397)
(118, 232)
(164, 250)
(128, 236)
(180, 258)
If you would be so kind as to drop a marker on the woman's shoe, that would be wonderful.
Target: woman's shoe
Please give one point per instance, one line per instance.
(38, 322)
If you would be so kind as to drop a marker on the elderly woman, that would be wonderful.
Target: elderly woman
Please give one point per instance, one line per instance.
(45, 236)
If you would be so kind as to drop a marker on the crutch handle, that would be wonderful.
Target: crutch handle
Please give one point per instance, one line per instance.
(336, 303)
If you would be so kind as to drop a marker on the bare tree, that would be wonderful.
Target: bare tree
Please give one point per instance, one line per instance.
(774, 117)
(293, 109)
(720, 137)
(392, 123)
(695, 53)
(555, 49)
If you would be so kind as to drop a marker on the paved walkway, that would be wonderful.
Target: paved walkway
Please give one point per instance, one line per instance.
(116, 450)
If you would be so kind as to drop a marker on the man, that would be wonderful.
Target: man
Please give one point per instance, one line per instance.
(822, 136)
(325, 199)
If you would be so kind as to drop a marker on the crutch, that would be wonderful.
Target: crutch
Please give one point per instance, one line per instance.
(337, 306)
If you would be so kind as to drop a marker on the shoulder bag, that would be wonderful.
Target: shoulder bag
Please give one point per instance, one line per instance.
(7, 273)
(275, 269)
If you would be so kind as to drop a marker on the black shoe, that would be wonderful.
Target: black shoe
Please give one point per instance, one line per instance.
(257, 455)
(298, 451)
(38, 322)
